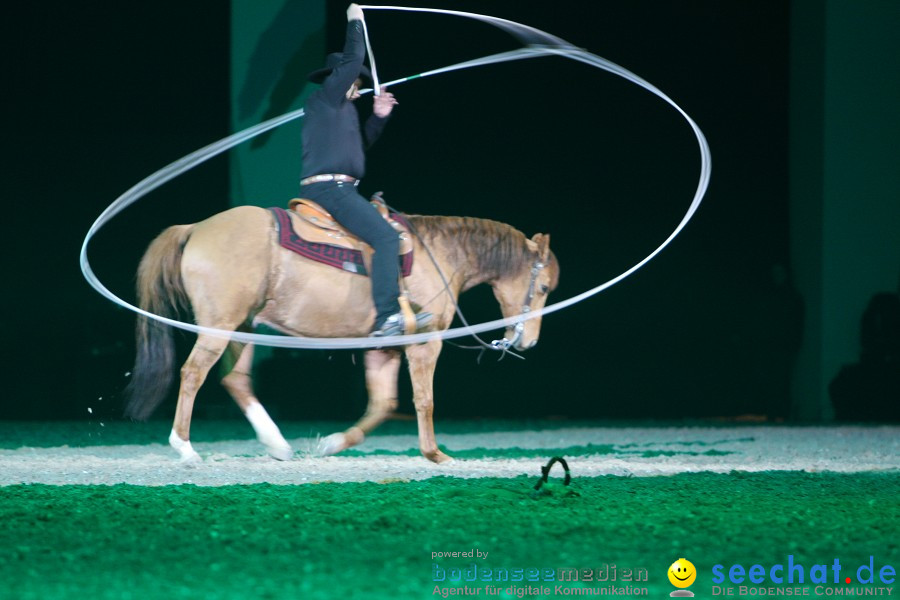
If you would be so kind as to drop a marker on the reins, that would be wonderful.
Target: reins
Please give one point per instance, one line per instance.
(502, 345)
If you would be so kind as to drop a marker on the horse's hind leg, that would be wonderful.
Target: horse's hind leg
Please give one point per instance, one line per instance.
(204, 355)
(382, 368)
(239, 384)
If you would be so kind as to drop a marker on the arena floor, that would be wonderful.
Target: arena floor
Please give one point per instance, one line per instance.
(106, 511)
(511, 450)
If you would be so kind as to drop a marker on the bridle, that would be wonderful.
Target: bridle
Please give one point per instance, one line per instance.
(505, 344)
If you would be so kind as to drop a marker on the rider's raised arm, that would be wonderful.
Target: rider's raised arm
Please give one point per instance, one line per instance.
(347, 71)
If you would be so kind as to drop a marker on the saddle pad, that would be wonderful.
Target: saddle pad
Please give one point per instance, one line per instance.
(346, 259)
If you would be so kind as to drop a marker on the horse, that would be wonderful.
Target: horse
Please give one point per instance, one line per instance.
(233, 274)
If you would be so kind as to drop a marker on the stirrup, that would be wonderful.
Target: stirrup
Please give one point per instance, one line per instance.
(394, 324)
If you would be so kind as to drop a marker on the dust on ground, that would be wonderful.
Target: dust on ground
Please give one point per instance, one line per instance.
(631, 451)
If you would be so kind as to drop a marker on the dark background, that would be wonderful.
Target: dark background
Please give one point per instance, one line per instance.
(100, 95)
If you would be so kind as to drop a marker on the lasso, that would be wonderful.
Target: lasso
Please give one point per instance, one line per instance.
(536, 43)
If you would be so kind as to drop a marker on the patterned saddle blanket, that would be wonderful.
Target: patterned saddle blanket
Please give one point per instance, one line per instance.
(310, 231)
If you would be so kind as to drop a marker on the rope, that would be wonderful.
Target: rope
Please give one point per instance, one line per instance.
(539, 44)
(371, 59)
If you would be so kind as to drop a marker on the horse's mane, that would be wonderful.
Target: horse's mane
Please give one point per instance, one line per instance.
(495, 249)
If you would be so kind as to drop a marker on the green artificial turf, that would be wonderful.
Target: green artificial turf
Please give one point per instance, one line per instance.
(375, 540)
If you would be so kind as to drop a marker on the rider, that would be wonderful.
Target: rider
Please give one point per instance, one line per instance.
(334, 163)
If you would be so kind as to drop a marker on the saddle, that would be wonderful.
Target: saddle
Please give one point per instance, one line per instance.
(309, 230)
(317, 225)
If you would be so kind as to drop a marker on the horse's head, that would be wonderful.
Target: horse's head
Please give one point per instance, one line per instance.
(526, 291)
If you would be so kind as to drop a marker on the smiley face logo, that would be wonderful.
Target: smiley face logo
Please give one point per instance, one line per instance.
(682, 573)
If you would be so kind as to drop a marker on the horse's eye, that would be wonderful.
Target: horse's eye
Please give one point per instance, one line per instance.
(545, 289)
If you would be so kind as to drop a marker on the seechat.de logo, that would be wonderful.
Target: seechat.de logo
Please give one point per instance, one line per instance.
(795, 572)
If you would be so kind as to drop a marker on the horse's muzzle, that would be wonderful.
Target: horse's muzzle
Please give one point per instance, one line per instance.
(520, 346)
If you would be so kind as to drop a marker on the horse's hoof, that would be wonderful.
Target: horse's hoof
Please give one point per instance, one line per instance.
(439, 457)
(184, 449)
(331, 444)
(190, 459)
(280, 452)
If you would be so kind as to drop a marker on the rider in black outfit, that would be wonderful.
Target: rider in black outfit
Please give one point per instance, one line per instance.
(334, 162)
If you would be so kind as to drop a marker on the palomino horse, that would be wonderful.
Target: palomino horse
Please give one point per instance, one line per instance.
(232, 272)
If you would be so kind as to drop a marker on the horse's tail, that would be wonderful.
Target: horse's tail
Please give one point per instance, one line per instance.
(160, 290)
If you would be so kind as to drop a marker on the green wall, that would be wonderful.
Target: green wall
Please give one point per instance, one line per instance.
(274, 44)
(845, 177)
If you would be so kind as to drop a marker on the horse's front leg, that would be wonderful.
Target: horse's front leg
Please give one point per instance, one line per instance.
(422, 361)
(382, 368)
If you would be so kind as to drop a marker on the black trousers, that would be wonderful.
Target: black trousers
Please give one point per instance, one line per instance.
(363, 220)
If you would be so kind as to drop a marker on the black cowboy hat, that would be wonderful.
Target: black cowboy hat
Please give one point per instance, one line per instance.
(333, 60)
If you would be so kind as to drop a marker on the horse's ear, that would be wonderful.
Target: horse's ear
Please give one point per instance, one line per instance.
(543, 244)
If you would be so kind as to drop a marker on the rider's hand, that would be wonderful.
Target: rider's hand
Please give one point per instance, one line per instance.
(354, 13)
(384, 103)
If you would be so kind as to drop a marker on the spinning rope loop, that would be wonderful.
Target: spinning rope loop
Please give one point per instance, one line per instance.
(536, 43)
